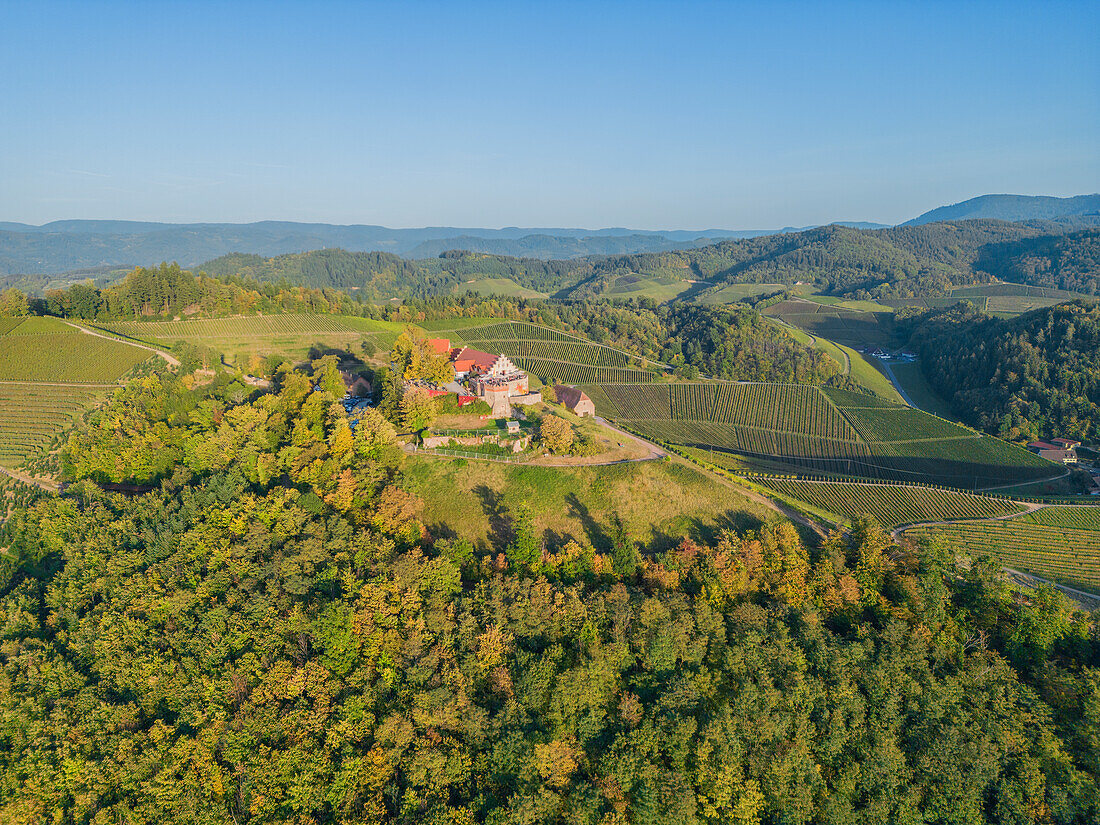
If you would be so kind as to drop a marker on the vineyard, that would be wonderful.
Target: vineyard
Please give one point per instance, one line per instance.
(806, 429)
(1072, 518)
(247, 326)
(1039, 543)
(902, 424)
(564, 372)
(573, 351)
(30, 416)
(70, 357)
(514, 331)
(891, 504)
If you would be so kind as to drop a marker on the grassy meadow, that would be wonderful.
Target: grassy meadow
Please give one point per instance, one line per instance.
(656, 500)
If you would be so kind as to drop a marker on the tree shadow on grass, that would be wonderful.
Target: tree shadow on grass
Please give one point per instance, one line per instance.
(501, 531)
(347, 358)
(597, 536)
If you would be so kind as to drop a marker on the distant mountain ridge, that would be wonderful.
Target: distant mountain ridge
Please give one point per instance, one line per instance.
(67, 246)
(892, 263)
(1012, 208)
(71, 245)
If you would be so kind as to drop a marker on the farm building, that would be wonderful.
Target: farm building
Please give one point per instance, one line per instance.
(574, 400)
(1065, 443)
(357, 386)
(1058, 450)
(1059, 456)
(440, 346)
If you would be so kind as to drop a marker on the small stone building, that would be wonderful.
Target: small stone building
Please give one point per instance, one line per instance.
(574, 400)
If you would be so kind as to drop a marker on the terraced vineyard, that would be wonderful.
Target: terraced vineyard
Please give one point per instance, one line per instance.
(810, 431)
(891, 504)
(564, 372)
(573, 351)
(550, 354)
(30, 416)
(45, 349)
(1058, 543)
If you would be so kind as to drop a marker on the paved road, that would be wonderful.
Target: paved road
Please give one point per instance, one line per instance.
(897, 385)
(171, 359)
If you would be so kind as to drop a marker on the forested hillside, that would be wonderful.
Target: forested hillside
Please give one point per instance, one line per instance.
(168, 291)
(900, 262)
(270, 634)
(1034, 376)
(1013, 208)
(380, 275)
(1062, 261)
(735, 343)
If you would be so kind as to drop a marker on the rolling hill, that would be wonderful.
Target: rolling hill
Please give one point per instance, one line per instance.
(1012, 208)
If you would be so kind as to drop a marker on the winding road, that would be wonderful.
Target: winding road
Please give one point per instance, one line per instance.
(171, 359)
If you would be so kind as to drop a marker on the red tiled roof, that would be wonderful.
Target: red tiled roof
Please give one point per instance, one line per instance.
(466, 359)
(569, 396)
(441, 346)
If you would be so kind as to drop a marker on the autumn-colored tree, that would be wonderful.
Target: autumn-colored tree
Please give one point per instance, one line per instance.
(415, 359)
(13, 302)
(417, 409)
(556, 433)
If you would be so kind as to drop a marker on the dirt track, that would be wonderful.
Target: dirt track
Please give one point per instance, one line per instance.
(171, 359)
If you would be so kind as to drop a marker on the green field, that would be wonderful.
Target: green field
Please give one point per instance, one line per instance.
(802, 429)
(911, 377)
(656, 500)
(891, 504)
(1058, 543)
(498, 286)
(660, 290)
(239, 337)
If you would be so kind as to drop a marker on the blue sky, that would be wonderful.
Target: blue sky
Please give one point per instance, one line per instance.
(647, 115)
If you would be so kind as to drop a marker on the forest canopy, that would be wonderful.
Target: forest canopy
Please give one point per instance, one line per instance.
(1036, 376)
(261, 629)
